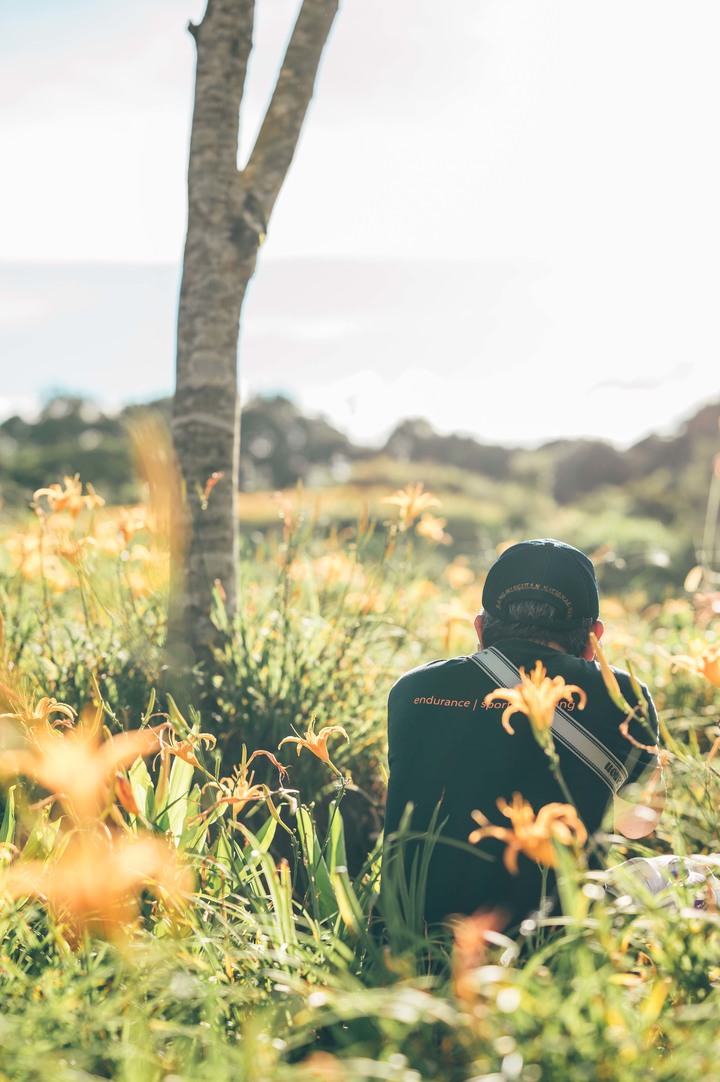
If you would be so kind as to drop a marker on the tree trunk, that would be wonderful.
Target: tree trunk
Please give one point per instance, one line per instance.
(228, 211)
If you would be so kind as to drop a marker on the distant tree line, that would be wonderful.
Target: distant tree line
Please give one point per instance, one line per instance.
(279, 446)
(660, 476)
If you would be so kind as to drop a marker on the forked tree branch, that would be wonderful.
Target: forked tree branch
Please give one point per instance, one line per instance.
(278, 136)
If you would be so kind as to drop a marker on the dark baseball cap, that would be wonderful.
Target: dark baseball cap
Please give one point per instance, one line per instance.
(544, 570)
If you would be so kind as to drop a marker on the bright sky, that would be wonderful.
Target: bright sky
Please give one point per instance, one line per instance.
(539, 182)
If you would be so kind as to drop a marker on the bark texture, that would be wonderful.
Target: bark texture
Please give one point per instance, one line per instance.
(228, 213)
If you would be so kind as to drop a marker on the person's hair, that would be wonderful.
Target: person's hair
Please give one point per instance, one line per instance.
(523, 620)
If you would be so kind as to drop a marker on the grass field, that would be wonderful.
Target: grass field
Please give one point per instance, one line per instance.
(184, 895)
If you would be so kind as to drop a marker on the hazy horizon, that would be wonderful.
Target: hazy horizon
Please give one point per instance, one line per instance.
(341, 338)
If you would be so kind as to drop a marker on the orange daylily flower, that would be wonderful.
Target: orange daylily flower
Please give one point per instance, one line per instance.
(531, 835)
(95, 883)
(34, 557)
(73, 549)
(316, 742)
(458, 573)
(75, 764)
(125, 795)
(241, 789)
(433, 529)
(70, 497)
(705, 661)
(115, 533)
(423, 590)
(335, 567)
(471, 937)
(209, 486)
(92, 499)
(43, 712)
(707, 608)
(536, 696)
(411, 502)
(185, 749)
(451, 614)
(365, 601)
(131, 520)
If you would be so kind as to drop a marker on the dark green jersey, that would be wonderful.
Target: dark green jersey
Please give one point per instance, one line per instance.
(446, 748)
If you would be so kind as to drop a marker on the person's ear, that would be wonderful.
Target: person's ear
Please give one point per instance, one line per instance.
(479, 623)
(597, 629)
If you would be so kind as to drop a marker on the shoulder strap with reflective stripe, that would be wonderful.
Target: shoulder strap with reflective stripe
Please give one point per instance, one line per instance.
(568, 730)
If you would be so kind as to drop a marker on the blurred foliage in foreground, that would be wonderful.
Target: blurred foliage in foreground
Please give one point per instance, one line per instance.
(179, 895)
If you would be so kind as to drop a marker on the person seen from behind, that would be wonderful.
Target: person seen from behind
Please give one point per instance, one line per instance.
(450, 755)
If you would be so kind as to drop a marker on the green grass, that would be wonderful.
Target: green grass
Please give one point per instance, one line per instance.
(275, 967)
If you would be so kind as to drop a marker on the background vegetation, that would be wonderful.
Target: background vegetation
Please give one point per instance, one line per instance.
(641, 510)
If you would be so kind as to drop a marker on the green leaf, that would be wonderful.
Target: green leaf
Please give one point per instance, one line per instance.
(150, 707)
(7, 830)
(41, 839)
(194, 835)
(251, 858)
(350, 909)
(265, 835)
(336, 856)
(322, 893)
(172, 816)
(142, 787)
(279, 891)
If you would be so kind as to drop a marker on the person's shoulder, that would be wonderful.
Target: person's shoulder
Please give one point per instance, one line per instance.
(627, 682)
(590, 669)
(439, 665)
(589, 675)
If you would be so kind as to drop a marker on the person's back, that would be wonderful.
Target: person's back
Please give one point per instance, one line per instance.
(447, 748)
